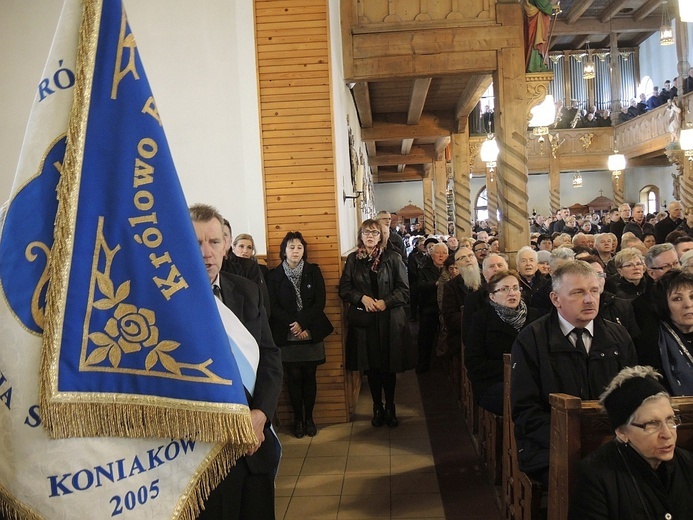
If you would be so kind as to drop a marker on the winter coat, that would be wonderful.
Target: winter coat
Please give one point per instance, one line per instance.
(616, 483)
(544, 361)
(391, 330)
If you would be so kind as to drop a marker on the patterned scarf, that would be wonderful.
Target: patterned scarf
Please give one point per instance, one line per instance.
(513, 317)
(373, 258)
(294, 276)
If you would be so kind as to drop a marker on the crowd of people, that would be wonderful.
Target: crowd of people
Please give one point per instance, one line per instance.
(592, 299)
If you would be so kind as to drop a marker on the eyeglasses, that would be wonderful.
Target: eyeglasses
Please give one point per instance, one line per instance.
(506, 290)
(371, 233)
(463, 257)
(665, 267)
(481, 249)
(634, 264)
(672, 423)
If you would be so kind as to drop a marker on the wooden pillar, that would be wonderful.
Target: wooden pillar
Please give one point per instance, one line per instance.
(428, 199)
(440, 189)
(492, 198)
(554, 183)
(463, 196)
(686, 183)
(617, 185)
(511, 132)
(681, 53)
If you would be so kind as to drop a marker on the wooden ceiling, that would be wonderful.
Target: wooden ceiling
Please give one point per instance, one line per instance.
(406, 122)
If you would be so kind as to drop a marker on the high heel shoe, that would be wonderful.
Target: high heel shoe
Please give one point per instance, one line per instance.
(378, 415)
(390, 417)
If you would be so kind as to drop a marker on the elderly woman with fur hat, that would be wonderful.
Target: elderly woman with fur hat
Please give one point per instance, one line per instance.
(641, 473)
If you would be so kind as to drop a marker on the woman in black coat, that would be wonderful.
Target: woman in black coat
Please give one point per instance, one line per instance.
(641, 473)
(492, 334)
(299, 325)
(374, 284)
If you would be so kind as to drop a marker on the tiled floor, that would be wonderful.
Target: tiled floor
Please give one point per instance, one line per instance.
(355, 471)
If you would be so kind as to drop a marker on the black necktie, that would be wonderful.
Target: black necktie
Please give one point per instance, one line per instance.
(579, 344)
(217, 292)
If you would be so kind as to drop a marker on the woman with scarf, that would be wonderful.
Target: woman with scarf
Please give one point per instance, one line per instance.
(667, 343)
(641, 473)
(299, 325)
(374, 284)
(492, 334)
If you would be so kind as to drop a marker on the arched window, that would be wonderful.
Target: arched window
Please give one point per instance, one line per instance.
(645, 86)
(481, 205)
(649, 196)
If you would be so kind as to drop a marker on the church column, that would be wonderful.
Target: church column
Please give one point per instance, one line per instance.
(440, 188)
(617, 185)
(686, 183)
(554, 179)
(428, 199)
(463, 196)
(492, 198)
(511, 131)
(682, 53)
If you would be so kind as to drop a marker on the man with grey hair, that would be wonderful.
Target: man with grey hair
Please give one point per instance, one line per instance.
(670, 223)
(429, 325)
(474, 301)
(617, 226)
(638, 225)
(580, 240)
(395, 242)
(454, 293)
(531, 280)
(571, 351)
(661, 259)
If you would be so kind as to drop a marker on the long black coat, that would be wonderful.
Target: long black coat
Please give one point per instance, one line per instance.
(454, 293)
(544, 361)
(489, 338)
(392, 325)
(616, 483)
(283, 303)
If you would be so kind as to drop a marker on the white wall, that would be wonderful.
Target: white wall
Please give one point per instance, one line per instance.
(393, 196)
(200, 62)
(660, 62)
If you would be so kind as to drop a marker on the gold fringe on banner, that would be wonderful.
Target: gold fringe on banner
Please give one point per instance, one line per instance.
(100, 417)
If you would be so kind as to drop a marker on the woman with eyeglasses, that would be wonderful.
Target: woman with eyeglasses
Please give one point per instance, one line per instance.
(374, 284)
(641, 473)
(631, 281)
(492, 334)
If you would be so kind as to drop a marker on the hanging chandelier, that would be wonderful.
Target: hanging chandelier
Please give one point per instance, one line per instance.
(588, 70)
(666, 32)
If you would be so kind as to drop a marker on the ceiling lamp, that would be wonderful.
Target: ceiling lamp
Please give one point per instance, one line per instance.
(686, 11)
(588, 70)
(577, 180)
(489, 152)
(543, 116)
(666, 31)
(616, 164)
(686, 142)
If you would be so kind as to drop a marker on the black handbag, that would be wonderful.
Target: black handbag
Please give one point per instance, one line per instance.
(358, 317)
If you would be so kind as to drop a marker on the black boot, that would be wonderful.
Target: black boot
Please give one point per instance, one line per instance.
(378, 415)
(299, 430)
(390, 417)
(311, 429)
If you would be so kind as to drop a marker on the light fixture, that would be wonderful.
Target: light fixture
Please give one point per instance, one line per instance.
(588, 70)
(616, 164)
(686, 11)
(686, 142)
(577, 180)
(489, 153)
(543, 116)
(666, 31)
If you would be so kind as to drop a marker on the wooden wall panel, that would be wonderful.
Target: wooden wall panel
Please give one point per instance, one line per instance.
(293, 58)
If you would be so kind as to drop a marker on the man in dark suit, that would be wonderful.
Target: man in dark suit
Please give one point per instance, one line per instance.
(248, 490)
(670, 223)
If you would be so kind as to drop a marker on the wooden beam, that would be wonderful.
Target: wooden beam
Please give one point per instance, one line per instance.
(577, 10)
(417, 100)
(419, 155)
(430, 126)
(371, 149)
(619, 25)
(410, 173)
(406, 146)
(362, 99)
(441, 144)
(580, 41)
(471, 94)
(611, 10)
(646, 9)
